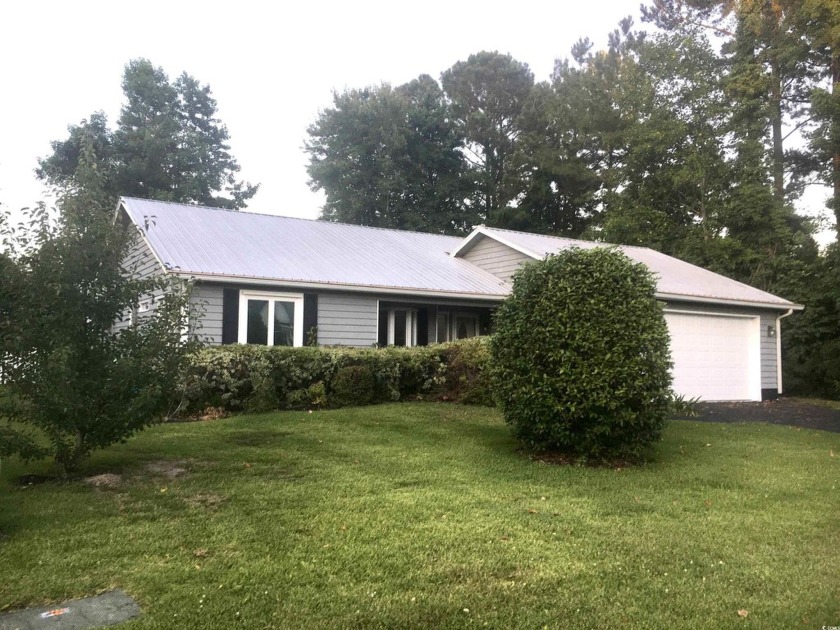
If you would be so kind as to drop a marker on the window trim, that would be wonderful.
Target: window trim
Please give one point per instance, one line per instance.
(271, 297)
(448, 326)
(454, 323)
(410, 325)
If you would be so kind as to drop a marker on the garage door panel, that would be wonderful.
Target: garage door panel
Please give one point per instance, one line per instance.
(715, 357)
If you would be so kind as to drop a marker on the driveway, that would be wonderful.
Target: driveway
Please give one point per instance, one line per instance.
(781, 411)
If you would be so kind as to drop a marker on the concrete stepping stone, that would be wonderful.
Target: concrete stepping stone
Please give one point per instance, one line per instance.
(107, 609)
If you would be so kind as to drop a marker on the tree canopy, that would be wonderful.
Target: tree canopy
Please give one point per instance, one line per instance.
(388, 157)
(72, 383)
(168, 145)
(696, 138)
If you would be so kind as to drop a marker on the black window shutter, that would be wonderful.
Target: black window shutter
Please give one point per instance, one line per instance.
(230, 316)
(310, 316)
(423, 327)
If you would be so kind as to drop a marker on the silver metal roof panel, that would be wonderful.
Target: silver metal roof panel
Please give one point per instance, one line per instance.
(195, 240)
(677, 279)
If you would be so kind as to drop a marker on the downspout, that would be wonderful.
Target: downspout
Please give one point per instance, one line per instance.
(779, 350)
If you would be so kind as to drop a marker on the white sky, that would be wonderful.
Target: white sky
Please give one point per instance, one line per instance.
(271, 67)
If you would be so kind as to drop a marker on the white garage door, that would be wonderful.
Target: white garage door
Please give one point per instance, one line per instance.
(715, 357)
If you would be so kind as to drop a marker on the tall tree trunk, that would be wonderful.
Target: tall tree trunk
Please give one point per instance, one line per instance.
(835, 162)
(778, 140)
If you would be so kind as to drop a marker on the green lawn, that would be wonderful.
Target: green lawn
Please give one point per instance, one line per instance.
(423, 515)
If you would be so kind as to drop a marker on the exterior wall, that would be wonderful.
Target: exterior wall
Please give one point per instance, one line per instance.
(141, 264)
(206, 313)
(350, 319)
(496, 258)
(347, 319)
(769, 356)
(343, 319)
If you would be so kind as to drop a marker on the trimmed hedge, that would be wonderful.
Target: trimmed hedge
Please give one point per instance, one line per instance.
(260, 378)
(580, 355)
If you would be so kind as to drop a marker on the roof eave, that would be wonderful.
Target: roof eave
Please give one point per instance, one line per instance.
(339, 286)
(776, 306)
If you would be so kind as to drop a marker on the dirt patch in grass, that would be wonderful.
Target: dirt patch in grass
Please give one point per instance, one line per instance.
(105, 480)
(170, 469)
(564, 459)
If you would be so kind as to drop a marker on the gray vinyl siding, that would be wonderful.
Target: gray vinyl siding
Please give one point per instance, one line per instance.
(346, 319)
(206, 313)
(141, 264)
(496, 258)
(769, 357)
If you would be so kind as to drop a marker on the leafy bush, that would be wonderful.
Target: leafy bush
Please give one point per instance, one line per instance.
(580, 355)
(74, 383)
(353, 386)
(258, 378)
(467, 378)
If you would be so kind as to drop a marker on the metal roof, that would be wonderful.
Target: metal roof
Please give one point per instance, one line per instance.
(201, 241)
(216, 243)
(677, 279)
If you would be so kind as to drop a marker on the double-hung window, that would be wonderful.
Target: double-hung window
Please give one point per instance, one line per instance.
(271, 319)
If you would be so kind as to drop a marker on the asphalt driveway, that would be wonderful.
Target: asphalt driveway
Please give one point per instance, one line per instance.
(781, 411)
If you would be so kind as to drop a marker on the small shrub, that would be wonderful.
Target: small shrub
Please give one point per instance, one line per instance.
(681, 406)
(314, 396)
(580, 356)
(466, 377)
(352, 386)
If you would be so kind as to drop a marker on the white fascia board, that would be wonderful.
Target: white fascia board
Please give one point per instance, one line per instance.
(121, 205)
(354, 288)
(481, 232)
(723, 302)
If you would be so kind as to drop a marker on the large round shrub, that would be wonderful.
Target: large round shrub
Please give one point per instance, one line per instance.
(580, 356)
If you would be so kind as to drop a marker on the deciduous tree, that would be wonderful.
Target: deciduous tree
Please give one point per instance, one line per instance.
(71, 383)
(388, 157)
(168, 144)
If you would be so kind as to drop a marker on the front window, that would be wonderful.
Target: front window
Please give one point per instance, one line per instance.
(443, 334)
(273, 319)
(402, 327)
(466, 326)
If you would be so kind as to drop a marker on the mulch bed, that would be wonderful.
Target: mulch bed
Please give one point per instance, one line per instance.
(781, 411)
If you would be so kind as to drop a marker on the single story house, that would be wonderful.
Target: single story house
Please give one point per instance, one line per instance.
(283, 281)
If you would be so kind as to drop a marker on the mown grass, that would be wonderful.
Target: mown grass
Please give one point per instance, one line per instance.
(424, 515)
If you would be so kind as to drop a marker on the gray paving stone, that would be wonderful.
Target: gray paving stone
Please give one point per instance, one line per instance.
(107, 609)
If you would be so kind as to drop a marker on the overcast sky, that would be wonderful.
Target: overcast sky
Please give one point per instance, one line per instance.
(271, 67)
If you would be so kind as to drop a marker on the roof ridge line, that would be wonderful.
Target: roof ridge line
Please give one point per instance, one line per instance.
(283, 216)
(569, 238)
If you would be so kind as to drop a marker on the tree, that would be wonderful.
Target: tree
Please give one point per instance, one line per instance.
(811, 338)
(558, 156)
(388, 157)
(580, 356)
(487, 93)
(168, 145)
(71, 381)
(768, 63)
(818, 24)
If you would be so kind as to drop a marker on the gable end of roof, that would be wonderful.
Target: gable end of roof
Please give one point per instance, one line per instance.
(481, 232)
